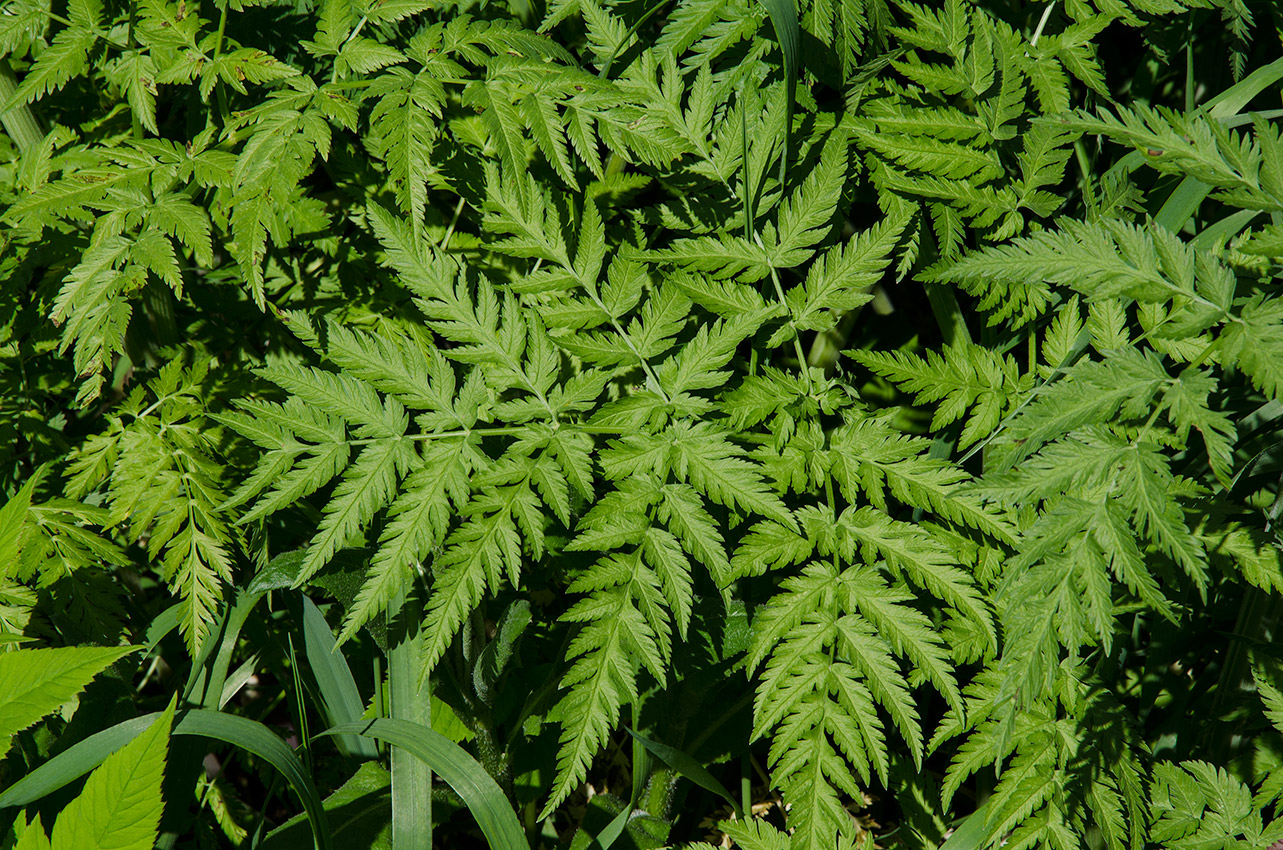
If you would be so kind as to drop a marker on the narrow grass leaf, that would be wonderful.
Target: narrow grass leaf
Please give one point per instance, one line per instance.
(248, 735)
(783, 14)
(334, 679)
(360, 811)
(1181, 205)
(411, 700)
(971, 834)
(613, 830)
(1233, 99)
(257, 739)
(73, 763)
(161, 625)
(687, 767)
(461, 772)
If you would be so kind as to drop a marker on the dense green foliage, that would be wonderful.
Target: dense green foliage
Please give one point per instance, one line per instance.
(870, 406)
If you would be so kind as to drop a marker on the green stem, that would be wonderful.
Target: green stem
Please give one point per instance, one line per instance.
(222, 28)
(220, 93)
(19, 122)
(130, 41)
(1189, 67)
(944, 304)
(1086, 181)
(802, 363)
(750, 231)
(454, 221)
(380, 710)
(334, 78)
(949, 315)
(632, 31)
(640, 758)
(1042, 22)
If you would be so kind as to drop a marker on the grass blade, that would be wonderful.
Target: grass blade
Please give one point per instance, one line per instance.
(359, 811)
(248, 735)
(19, 122)
(411, 703)
(613, 830)
(971, 834)
(641, 769)
(1181, 205)
(1227, 228)
(334, 679)
(783, 14)
(237, 614)
(209, 680)
(1233, 99)
(460, 771)
(239, 678)
(257, 739)
(73, 763)
(163, 623)
(687, 767)
(949, 315)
